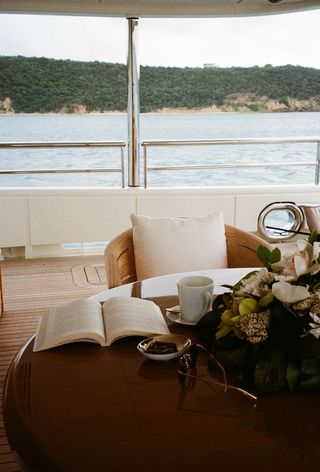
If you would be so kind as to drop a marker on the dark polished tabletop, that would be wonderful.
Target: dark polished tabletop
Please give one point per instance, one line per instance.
(81, 407)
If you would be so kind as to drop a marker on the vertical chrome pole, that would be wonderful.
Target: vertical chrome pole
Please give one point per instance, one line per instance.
(317, 175)
(145, 172)
(133, 105)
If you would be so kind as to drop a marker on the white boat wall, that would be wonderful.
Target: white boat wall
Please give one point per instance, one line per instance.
(36, 222)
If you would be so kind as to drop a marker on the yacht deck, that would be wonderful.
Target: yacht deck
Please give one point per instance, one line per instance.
(30, 288)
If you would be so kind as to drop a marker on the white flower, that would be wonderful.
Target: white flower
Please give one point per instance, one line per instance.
(258, 284)
(288, 293)
(315, 326)
(303, 259)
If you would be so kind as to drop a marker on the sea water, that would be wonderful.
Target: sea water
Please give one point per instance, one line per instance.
(160, 126)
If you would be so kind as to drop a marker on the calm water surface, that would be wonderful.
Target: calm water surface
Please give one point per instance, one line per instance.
(167, 127)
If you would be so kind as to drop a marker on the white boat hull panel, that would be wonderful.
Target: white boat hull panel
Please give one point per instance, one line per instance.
(41, 220)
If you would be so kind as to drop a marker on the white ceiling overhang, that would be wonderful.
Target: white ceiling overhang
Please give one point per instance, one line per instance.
(157, 8)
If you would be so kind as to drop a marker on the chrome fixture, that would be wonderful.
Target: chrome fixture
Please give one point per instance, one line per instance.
(65, 144)
(187, 143)
(146, 145)
(283, 220)
(133, 105)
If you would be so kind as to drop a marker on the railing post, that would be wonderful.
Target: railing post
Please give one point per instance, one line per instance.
(145, 166)
(133, 105)
(317, 174)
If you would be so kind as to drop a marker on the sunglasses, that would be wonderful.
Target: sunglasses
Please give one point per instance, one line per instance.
(187, 371)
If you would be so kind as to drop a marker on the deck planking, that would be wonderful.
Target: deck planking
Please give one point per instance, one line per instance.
(30, 287)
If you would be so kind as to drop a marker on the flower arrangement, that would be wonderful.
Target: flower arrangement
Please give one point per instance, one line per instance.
(267, 328)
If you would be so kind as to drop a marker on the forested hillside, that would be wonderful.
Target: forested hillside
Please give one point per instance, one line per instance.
(29, 85)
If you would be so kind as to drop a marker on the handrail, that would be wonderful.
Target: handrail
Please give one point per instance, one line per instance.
(233, 141)
(67, 144)
(197, 142)
(61, 144)
(161, 143)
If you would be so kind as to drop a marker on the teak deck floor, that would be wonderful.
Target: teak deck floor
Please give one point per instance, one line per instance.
(30, 288)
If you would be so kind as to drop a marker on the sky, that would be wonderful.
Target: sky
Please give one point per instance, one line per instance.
(276, 39)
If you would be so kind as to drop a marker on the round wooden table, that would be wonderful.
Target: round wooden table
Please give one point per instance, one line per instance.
(81, 407)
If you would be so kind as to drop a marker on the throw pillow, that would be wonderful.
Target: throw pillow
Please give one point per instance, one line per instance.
(166, 245)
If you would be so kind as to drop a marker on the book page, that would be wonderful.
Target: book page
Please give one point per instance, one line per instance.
(128, 316)
(75, 321)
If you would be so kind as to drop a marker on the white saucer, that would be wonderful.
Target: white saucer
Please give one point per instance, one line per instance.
(175, 316)
(182, 343)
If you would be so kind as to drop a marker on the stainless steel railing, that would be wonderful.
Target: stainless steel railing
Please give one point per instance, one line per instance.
(71, 144)
(162, 143)
(240, 141)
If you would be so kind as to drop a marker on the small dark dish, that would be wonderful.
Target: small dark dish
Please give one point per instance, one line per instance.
(164, 347)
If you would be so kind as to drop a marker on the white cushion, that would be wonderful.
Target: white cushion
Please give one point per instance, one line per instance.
(170, 245)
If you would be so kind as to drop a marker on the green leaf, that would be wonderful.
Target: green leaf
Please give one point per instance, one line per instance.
(263, 254)
(231, 342)
(313, 237)
(213, 317)
(285, 329)
(293, 376)
(247, 276)
(275, 256)
(310, 366)
(308, 347)
(311, 384)
(233, 360)
(268, 257)
(270, 370)
(209, 322)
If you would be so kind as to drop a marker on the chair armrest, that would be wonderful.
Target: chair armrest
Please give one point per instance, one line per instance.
(119, 260)
(242, 247)
(1, 293)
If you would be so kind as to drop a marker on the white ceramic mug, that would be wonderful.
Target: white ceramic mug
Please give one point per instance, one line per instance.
(195, 296)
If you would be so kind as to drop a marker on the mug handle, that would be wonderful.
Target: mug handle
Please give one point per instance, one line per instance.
(207, 306)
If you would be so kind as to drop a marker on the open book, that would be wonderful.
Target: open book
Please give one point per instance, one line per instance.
(87, 320)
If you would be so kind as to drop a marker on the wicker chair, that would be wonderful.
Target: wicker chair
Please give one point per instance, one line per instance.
(120, 264)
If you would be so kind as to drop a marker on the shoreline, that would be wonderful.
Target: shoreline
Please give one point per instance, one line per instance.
(174, 111)
(233, 103)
